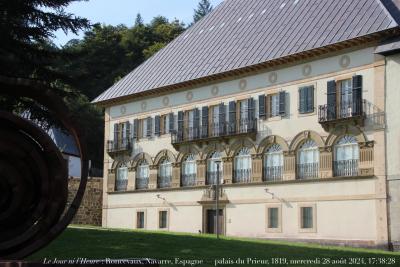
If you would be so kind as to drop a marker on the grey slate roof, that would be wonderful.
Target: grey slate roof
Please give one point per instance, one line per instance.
(241, 33)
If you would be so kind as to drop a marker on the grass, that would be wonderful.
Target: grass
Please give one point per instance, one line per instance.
(98, 243)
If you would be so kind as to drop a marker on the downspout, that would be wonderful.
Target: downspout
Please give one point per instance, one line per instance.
(390, 245)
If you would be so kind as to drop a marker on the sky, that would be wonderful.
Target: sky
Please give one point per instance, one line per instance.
(116, 12)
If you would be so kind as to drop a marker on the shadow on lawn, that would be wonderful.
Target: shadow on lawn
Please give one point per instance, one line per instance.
(99, 243)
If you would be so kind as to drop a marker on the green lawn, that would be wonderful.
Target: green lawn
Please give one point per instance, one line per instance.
(97, 243)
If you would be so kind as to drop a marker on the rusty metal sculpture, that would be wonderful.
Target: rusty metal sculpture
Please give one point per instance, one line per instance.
(33, 174)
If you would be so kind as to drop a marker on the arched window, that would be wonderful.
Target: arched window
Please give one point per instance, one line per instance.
(242, 172)
(212, 168)
(346, 156)
(165, 174)
(121, 182)
(142, 175)
(273, 163)
(308, 160)
(189, 171)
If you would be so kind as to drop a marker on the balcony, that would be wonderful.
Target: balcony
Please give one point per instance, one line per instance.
(353, 111)
(273, 173)
(345, 167)
(242, 176)
(307, 171)
(214, 131)
(121, 185)
(188, 180)
(118, 147)
(164, 181)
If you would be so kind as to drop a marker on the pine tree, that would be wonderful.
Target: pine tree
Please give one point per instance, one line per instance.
(26, 28)
(204, 7)
(138, 20)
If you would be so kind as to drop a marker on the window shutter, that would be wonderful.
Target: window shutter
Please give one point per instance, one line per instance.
(136, 129)
(180, 120)
(251, 109)
(127, 131)
(157, 125)
(196, 123)
(232, 117)
(115, 133)
(149, 126)
(222, 118)
(310, 99)
(301, 100)
(163, 125)
(204, 122)
(171, 122)
(282, 103)
(268, 106)
(180, 130)
(331, 99)
(261, 106)
(357, 95)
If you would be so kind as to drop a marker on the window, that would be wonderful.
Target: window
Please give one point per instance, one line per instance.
(346, 156)
(165, 124)
(346, 91)
(212, 168)
(122, 135)
(122, 179)
(189, 171)
(308, 160)
(307, 218)
(274, 104)
(161, 125)
(165, 174)
(215, 124)
(273, 218)
(163, 219)
(140, 220)
(145, 127)
(273, 163)
(344, 99)
(306, 99)
(142, 175)
(242, 173)
(193, 124)
(246, 111)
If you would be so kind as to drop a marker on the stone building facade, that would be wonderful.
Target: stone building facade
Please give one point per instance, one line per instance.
(302, 137)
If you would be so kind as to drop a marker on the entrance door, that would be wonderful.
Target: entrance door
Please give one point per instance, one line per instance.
(211, 222)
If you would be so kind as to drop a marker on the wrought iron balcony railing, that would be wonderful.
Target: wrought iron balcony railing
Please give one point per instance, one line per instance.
(223, 129)
(121, 145)
(242, 176)
(164, 181)
(345, 167)
(273, 173)
(341, 111)
(121, 184)
(188, 179)
(307, 170)
(212, 177)
(142, 183)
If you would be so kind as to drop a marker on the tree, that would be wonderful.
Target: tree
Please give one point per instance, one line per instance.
(27, 52)
(204, 7)
(25, 29)
(138, 20)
